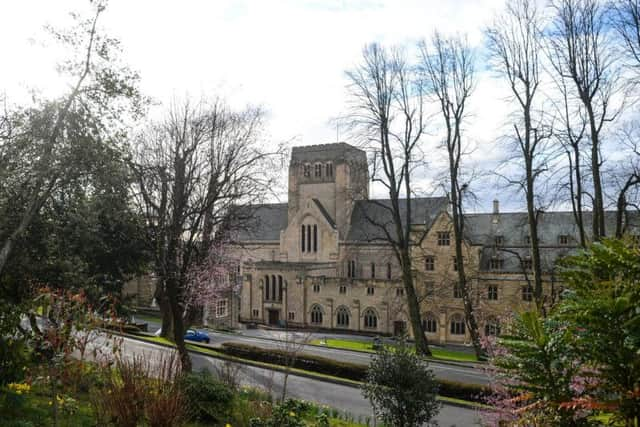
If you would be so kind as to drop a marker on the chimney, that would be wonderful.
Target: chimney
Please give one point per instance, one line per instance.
(496, 210)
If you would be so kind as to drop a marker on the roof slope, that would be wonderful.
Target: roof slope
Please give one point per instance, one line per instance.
(370, 217)
(263, 222)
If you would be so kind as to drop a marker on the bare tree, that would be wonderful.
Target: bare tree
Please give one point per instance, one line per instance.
(291, 345)
(448, 68)
(387, 111)
(626, 20)
(191, 170)
(581, 51)
(515, 46)
(571, 134)
(99, 87)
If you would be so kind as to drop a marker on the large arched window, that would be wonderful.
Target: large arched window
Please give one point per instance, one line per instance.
(457, 325)
(492, 327)
(342, 317)
(316, 314)
(430, 323)
(370, 319)
(267, 288)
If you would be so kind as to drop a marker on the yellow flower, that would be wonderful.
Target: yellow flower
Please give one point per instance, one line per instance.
(50, 403)
(292, 414)
(227, 425)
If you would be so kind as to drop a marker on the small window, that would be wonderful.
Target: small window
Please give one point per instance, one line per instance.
(370, 290)
(399, 292)
(221, 308)
(496, 264)
(457, 290)
(444, 238)
(388, 271)
(329, 169)
(307, 170)
(351, 269)
(373, 270)
(492, 292)
(527, 293)
(316, 288)
(429, 287)
(527, 264)
(430, 263)
(318, 170)
(492, 328)
(563, 239)
(316, 315)
(256, 313)
(342, 289)
(430, 324)
(527, 240)
(498, 240)
(457, 325)
(370, 319)
(292, 315)
(455, 263)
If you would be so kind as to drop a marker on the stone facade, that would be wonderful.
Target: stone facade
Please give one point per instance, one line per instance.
(321, 260)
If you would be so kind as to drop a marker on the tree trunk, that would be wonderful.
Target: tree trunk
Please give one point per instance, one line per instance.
(422, 345)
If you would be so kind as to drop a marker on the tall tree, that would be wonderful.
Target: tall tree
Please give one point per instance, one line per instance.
(515, 47)
(103, 89)
(191, 168)
(582, 52)
(626, 20)
(448, 69)
(387, 110)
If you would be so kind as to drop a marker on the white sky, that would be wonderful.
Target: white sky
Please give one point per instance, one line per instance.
(289, 56)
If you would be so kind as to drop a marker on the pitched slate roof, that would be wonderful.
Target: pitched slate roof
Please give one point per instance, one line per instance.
(370, 217)
(481, 229)
(264, 222)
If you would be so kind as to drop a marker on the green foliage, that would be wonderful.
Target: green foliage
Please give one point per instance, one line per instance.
(401, 387)
(540, 364)
(603, 305)
(287, 414)
(15, 352)
(346, 370)
(209, 400)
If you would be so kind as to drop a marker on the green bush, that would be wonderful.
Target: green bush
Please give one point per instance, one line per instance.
(209, 400)
(352, 371)
(307, 362)
(287, 414)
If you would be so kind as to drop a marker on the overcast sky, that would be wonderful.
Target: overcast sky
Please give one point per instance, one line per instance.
(289, 56)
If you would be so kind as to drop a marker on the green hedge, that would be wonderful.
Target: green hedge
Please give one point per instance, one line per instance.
(352, 371)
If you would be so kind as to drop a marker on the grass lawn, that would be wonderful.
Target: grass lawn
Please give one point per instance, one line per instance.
(438, 353)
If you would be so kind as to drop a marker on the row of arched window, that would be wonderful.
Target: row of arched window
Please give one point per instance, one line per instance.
(457, 325)
(343, 317)
(273, 286)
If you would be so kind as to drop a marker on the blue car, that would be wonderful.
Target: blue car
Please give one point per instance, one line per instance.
(198, 336)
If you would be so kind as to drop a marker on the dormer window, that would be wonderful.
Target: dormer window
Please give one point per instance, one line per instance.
(498, 240)
(496, 264)
(306, 170)
(329, 170)
(318, 170)
(527, 240)
(309, 238)
(563, 239)
(527, 264)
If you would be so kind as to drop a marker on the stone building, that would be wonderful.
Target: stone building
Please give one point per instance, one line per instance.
(321, 260)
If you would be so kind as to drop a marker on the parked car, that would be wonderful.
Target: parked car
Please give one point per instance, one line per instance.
(191, 335)
(199, 336)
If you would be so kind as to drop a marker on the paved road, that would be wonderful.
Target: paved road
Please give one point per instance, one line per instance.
(445, 371)
(345, 398)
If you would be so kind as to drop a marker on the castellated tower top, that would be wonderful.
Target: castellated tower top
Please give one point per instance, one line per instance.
(335, 175)
(337, 152)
